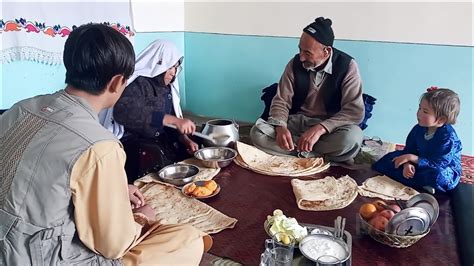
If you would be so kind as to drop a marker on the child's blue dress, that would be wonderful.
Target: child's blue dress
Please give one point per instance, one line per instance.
(439, 159)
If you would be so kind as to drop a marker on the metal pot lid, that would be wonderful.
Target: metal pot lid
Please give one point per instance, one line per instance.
(409, 222)
(427, 202)
(320, 246)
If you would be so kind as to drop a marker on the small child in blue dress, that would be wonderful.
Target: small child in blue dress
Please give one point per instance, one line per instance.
(431, 158)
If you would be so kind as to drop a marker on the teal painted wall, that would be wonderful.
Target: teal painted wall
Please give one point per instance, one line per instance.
(24, 79)
(225, 75)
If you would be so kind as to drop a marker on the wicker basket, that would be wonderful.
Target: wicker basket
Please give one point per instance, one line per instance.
(395, 241)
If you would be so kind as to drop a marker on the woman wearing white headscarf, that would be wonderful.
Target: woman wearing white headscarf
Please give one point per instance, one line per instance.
(151, 101)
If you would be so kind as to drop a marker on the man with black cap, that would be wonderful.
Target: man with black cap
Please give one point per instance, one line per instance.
(318, 103)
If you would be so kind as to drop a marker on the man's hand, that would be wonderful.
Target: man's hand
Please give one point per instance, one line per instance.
(408, 170)
(284, 139)
(310, 137)
(185, 126)
(406, 158)
(136, 197)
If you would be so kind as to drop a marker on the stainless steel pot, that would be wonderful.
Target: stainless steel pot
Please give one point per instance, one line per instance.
(224, 132)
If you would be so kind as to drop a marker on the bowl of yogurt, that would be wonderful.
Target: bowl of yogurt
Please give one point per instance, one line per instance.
(324, 249)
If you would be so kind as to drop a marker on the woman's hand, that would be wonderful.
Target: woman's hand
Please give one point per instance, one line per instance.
(136, 197)
(408, 170)
(185, 126)
(191, 146)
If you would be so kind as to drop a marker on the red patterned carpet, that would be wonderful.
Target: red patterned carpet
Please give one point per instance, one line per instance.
(467, 163)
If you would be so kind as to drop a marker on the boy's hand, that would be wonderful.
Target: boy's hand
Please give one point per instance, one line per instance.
(136, 197)
(408, 170)
(147, 211)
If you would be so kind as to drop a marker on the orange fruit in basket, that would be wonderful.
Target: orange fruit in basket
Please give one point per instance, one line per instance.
(367, 210)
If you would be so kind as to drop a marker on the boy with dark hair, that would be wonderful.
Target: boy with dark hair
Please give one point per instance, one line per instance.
(59, 166)
(92, 58)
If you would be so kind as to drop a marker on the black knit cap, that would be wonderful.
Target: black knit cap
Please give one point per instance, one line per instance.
(321, 30)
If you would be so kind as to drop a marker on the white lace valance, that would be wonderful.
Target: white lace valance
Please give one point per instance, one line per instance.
(36, 31)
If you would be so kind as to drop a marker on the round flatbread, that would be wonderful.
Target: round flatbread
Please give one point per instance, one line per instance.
(346, 193)
(316, 190)
(386, 188)
(261, 162)
(204, 172)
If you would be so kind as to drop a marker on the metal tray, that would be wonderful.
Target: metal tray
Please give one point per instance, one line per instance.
(427, 202)
(300, 260)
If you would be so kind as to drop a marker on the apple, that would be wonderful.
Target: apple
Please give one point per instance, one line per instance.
(379, 222)
(378, 204)
(395, 207)
(387, 214)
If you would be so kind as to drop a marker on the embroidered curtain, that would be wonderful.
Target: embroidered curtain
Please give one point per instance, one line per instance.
(37, 30)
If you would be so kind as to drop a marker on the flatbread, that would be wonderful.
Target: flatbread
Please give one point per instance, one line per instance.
(311, 171)
(260, 162)
(345, 195)
(316, 190)
(205, 173)
(172, 207)
(385, 188)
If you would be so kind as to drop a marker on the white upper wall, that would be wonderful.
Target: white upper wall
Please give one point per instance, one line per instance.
(406, 22)
(444, 23)
(421, 22)
(153, 16)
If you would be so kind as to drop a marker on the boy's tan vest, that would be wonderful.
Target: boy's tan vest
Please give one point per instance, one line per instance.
(40, 140)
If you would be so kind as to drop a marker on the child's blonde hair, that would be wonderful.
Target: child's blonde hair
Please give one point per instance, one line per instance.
(444, 102)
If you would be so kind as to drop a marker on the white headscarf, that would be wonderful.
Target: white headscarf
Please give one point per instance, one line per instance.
(154, 60)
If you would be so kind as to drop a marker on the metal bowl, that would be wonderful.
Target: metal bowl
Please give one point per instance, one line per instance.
(427, 202)
(178, 174)
(409, 222)
(325, 249)
(216, 157)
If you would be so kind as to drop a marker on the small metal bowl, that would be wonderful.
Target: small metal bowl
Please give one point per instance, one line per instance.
(427, 202)
(178, 174)
(216, 157)
(331, 251)
(409, 222)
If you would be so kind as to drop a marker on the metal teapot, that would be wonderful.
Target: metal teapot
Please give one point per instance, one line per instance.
(224, 132)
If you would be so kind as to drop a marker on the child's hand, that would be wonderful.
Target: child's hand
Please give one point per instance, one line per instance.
(408, 170)
(406, 158)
